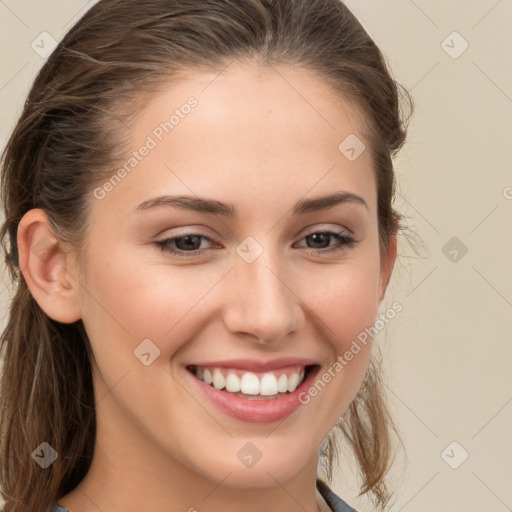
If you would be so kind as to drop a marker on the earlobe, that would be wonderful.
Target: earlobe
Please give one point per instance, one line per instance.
(386, 267)
(47, 268)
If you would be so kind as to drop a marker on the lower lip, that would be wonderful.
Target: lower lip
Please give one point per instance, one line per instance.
(255, 411)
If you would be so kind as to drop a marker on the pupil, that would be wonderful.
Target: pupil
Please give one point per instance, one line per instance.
(188, 238)
(315, 236)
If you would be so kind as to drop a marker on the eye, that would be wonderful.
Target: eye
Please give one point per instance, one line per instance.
(345, 240)
(190, 244)
(183, 244)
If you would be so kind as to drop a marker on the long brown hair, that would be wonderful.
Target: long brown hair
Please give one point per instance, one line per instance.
(69, 138)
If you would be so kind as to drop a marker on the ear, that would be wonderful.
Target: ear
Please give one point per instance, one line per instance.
(386, 266)
(48, 269)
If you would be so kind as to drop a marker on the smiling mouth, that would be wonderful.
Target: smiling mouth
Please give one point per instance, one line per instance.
(253, 385)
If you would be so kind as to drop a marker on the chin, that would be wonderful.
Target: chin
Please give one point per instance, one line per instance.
(265, 473)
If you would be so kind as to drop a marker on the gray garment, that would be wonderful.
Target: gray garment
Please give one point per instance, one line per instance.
(333, 500)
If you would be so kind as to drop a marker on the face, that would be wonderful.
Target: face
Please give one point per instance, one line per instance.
(172, 285)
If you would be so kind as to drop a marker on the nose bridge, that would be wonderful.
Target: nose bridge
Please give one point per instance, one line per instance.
(262, 303)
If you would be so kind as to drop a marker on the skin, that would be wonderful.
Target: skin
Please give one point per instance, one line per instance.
(261, 142)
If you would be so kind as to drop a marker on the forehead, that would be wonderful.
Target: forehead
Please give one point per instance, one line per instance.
(264, 93)
(249, 132)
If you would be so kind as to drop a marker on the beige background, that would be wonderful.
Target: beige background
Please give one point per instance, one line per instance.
(449, 352)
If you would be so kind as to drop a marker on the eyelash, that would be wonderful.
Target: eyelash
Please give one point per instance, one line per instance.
(346, 242)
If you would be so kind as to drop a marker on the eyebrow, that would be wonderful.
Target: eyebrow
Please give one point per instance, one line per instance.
(212, 206)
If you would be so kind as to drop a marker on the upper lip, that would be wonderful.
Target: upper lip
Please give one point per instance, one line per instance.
(256, 365)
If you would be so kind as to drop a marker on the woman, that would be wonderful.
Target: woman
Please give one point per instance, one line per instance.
(198, 200)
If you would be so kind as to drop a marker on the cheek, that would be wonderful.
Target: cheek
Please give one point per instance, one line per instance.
(345, 308)
(130, 299)
(347, 302)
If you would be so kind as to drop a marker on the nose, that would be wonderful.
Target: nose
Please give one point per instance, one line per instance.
(262, 300)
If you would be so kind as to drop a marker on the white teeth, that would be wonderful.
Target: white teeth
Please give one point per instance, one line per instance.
(207, 377)
(219, 382)
(293, 381)
(268, 384)
(232, 383)
(250, 384)
(282, 384)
